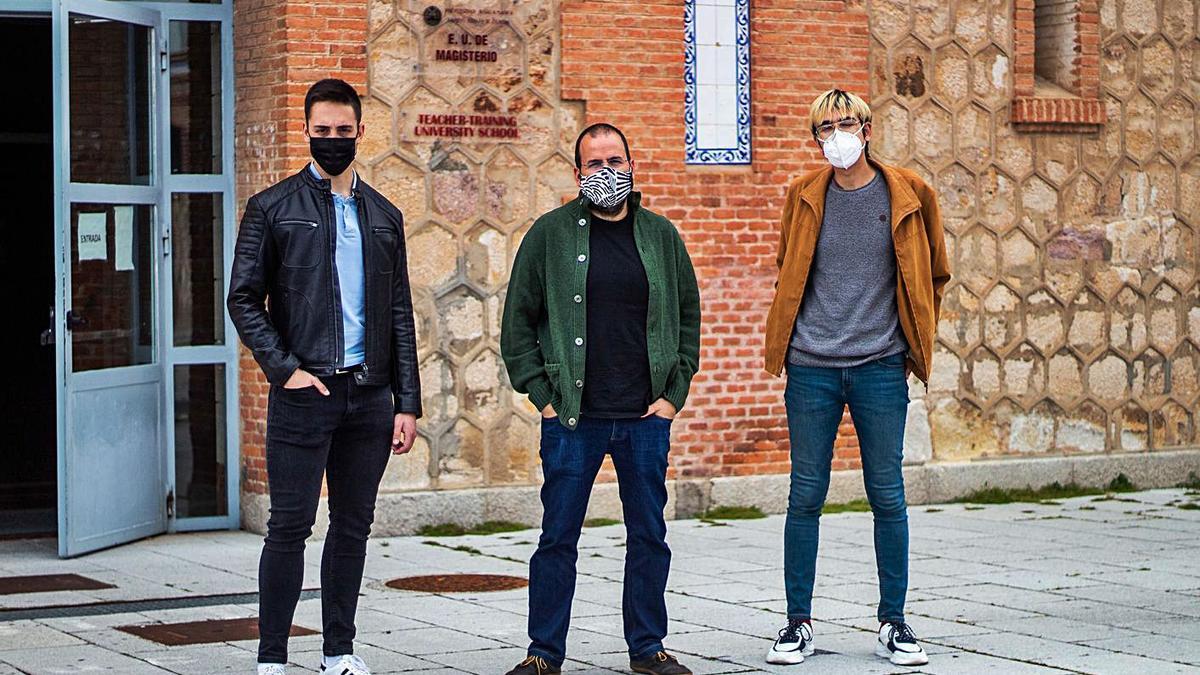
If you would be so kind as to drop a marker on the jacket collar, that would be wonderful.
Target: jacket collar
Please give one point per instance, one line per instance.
(904, 200)
(314, 180)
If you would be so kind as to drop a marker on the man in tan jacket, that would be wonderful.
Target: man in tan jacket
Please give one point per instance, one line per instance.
(862, 265)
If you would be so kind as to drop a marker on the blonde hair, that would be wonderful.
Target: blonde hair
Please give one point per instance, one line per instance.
(836, 104)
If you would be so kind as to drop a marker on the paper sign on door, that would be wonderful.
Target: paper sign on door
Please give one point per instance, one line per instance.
(92, 234)
(123, 215)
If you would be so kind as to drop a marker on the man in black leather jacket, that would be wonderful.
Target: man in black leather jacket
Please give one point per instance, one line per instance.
(338, 346)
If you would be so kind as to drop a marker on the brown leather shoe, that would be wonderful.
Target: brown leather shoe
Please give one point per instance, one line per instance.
(659, 663)
(535, 665)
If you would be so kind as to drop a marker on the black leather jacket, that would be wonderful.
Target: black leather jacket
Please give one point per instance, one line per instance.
(285, 252)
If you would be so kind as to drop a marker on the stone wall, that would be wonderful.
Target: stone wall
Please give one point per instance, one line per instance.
(467, 203)
(1073, 320)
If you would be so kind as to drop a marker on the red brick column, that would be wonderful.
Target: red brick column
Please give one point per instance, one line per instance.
(280, 48)
(625, 59)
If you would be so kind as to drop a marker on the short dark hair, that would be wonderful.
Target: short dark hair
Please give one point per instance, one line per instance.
(332, 90)
(598, 129)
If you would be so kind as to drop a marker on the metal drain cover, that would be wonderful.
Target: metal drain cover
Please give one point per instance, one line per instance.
(459, 583)
(45, 583)
(202, 632)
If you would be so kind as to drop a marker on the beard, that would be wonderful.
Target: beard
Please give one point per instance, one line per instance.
(612, 210)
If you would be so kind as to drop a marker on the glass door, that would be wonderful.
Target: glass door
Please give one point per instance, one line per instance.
(109, 230)
(200, 347)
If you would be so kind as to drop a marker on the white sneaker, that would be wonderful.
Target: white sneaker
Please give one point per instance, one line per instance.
(898, 644)
(272, 669)
(346, 664)
(795, 642)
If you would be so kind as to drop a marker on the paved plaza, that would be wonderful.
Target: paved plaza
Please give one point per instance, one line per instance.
(1089, 584)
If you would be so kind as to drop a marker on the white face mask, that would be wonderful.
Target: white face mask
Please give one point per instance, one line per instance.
(843, 149)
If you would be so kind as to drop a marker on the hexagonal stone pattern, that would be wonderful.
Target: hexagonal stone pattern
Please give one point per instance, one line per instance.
(392, 62)
(466, 204)
(455, 187)
(1072, 322)
(428, 264)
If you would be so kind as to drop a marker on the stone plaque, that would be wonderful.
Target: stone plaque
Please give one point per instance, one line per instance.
(471, 44)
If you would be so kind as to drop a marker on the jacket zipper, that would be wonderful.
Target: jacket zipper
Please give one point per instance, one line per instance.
(309, 223)
(363, 227)
(335, 301)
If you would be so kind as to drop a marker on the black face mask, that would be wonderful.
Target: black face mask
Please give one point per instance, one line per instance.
(332, 154)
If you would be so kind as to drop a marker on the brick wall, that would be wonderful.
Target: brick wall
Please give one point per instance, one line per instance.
(735, 422)
(1040, 350)
(729, 216)
(280, 48)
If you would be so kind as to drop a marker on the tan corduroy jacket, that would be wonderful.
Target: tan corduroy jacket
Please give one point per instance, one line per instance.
(922, 269)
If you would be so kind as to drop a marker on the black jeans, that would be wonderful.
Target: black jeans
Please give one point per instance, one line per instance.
(346, 436)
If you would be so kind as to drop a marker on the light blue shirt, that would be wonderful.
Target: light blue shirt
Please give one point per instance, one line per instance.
(349, 260)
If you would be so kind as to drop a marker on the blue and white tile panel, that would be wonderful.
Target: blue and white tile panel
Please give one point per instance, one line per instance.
(717, 81)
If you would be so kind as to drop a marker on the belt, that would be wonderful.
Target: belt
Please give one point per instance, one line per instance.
(358, 368)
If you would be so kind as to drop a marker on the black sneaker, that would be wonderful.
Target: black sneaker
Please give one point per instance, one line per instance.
(898, 644)
(795, 642)
(535, 665)
(659, 663)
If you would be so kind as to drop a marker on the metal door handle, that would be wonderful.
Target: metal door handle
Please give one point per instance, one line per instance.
(75, 321)
(47, 337)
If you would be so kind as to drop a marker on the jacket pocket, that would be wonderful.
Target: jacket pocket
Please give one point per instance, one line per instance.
(384, 241)
(291, 312)
(912, 225)
(298, 242)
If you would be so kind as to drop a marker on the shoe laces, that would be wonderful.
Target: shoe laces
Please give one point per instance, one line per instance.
(537, 662)
(663, 657)
(792, 632)
(272, 669)
(903, 632)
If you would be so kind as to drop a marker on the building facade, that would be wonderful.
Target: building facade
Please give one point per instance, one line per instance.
(1060, 135)
(1070, 331)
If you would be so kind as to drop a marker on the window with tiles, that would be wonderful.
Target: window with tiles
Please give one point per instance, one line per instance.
(717, 81)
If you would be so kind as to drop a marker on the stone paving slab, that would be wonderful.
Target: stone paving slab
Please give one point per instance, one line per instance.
(1086, 585)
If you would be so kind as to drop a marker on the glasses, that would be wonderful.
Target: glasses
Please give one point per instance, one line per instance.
(617, 163)
(849, 125)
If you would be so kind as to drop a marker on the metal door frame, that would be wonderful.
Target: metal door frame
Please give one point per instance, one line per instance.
(159, 195)
(219, 183)
(67, 193)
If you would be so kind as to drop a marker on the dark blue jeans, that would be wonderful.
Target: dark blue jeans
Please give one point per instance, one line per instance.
(877, 394)
(570, 461)
(345, 437)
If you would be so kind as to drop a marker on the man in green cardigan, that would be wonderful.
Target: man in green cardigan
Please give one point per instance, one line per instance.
(602, 330)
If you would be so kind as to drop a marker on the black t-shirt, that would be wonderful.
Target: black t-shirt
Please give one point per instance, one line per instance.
(617, 371)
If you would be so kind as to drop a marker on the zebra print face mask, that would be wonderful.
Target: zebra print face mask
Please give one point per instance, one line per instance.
(607, 188)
